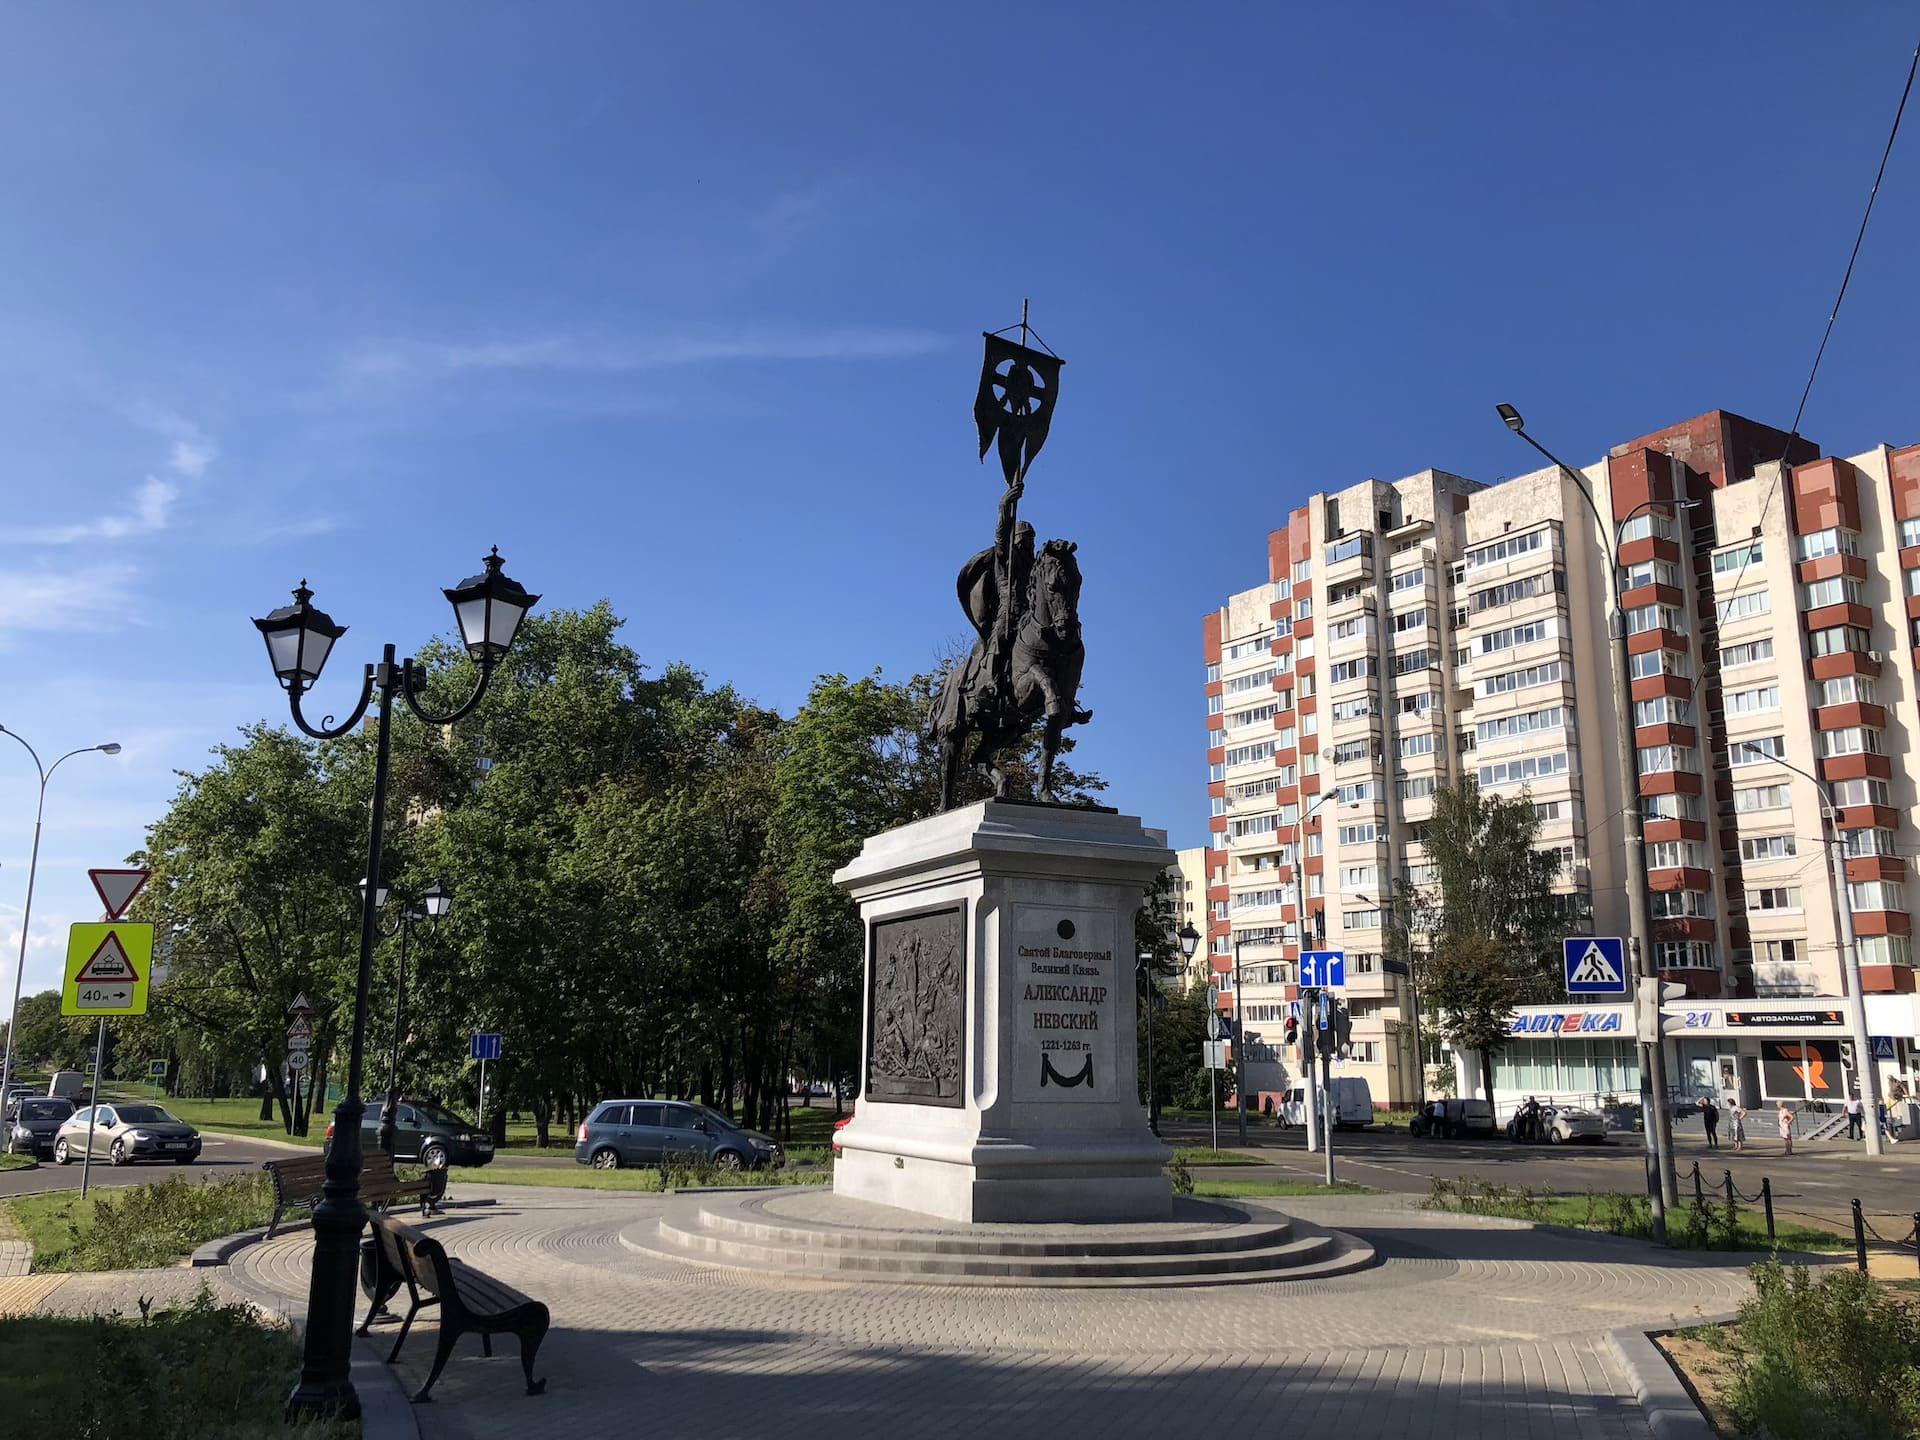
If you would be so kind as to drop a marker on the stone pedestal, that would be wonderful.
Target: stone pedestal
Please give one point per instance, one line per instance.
(1000, 1077)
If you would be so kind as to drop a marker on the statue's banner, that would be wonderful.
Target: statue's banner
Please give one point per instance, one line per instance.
(1066, 1012)
(1018, 387)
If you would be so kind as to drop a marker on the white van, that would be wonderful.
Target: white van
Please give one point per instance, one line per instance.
(1352, 1102)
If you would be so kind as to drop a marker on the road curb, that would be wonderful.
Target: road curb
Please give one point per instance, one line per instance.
(1664, 1398)
(218, 1252)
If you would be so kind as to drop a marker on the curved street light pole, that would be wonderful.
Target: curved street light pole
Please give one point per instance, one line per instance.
(1662, 1185)
(489, 608)
(1866, 1073)
(26, 914)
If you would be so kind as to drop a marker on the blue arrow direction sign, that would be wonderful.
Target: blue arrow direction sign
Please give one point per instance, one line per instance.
(1595, 964)
(485, 1047)
(1323, 969)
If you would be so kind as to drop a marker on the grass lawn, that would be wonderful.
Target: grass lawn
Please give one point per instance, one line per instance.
(1626, 1215)
(211, 1371)
(1253, 1189)
(139, 1227)
(17, 1162)
(1201, 1155)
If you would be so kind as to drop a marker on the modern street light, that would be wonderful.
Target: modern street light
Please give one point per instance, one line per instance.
(33, 870)
(1662, 1186)
(1866, 1074)
(435, 901)
(488, 608)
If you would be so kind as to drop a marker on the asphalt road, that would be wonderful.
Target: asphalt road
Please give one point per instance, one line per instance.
(219, 1158)
(1816, 1184)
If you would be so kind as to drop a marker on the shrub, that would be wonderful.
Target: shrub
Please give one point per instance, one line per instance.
(144, 1226)
(1837, 1356)
(1181, 1176)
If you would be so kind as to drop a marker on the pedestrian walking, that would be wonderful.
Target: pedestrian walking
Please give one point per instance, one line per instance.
(1710, 1117)
(1738, 1113)
(1786, 1126)
(1856, 1118)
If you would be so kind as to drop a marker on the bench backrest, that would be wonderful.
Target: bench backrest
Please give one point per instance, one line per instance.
(298, 1178)
(427, 1260)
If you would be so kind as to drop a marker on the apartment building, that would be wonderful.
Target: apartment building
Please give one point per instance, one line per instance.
(1187, 887)
(1413, 632)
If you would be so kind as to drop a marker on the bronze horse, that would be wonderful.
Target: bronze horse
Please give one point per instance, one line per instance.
(996, 694)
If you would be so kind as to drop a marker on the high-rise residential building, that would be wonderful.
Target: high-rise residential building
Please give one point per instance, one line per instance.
(1187, 884)
(1414, 632)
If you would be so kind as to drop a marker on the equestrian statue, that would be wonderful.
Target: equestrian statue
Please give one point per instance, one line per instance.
(1024, 607)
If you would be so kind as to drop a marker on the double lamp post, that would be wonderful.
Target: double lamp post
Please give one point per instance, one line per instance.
(435, 901)
(488, 608)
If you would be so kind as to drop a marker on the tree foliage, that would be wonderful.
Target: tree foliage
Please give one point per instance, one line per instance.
(641, 864)
(1485, 932)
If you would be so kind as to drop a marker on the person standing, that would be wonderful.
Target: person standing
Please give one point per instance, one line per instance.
(1710, 1116)
(1738, 1113)
(1856, 1118)
(1786, 1126)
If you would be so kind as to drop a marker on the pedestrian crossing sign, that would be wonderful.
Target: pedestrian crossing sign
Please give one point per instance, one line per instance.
(1596, 964)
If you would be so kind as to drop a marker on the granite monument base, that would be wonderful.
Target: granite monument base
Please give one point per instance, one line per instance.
(1001, 1075)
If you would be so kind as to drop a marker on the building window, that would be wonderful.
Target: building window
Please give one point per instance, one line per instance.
(1409, 580)
(1853, 740)
(1527, 722)
(1647, 523)
(1547, 582)
(1750, 652)
(1769, 847)
(1685, 955)
(1512, 680)
(1741, 557)
(1864, 791)
(1885, 950)
(1649, 663)
(1681, 904)
(1839, 639)
(1513, 636)
(1657, 759)
(1775, 898)
(1822, 543)
(1507, 547)
(1360, 919)
(1760, 750)
(1762, 797)
(1676, 854)
(1656, 617)
(1836, 590)
(1417, 787)
(1753, 702)
(1849, 689)
(1522, 769)
(1671, 807)
(1874, 841)
(1877, 895)
(1754, 602)
(1667, 710)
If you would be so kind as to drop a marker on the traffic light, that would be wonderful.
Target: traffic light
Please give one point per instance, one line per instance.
(1293, 1030)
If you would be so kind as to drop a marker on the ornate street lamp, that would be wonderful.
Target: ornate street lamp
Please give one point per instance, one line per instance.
(488, 608)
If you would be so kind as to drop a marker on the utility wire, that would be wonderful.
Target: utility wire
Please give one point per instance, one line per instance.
(1833, 315)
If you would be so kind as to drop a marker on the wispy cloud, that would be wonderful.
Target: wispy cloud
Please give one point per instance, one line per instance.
(65, 598)
(150, 510)
(583, 355)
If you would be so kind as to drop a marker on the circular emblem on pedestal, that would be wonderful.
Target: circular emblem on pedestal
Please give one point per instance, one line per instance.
(1064, 929)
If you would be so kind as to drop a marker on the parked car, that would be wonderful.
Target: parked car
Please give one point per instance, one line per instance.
(659, 1132)
(68, 1085)
(426, 1135)
(126, 1133)
(1570, 1123)
(1453, 1119)
(32, 1121)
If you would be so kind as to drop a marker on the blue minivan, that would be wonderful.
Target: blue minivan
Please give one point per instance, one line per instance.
(662, 1132)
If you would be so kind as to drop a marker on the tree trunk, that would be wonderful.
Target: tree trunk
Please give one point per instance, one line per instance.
(542, 1110)
(1486, 1075)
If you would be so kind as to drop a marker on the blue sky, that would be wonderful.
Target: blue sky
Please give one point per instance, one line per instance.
(679, 305)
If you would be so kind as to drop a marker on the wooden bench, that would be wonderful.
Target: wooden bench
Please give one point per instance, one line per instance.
(468, 1300)
(299, 1185)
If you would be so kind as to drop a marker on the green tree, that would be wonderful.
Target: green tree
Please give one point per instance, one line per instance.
(1489, 923)
(254, 868)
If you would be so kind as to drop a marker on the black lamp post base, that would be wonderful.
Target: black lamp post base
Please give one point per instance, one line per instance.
(323, 1400)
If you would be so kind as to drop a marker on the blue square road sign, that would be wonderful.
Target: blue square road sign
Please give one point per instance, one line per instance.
(485, 1047)
(1595, 964)
(1323, 969)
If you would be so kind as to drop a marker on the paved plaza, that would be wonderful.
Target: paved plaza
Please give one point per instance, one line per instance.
(1466, 1327)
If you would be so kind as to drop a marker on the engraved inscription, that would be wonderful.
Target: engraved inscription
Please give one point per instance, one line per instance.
(916, 1009)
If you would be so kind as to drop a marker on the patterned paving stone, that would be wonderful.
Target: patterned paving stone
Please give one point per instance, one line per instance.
(1465, 1328)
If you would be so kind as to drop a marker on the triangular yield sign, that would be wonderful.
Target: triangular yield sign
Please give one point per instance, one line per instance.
(1594, 969)
(108, 965)
(118, 887)
(299, 1005)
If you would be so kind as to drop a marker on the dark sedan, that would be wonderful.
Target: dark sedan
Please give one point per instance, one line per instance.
(33, 1121)
(424, 1134)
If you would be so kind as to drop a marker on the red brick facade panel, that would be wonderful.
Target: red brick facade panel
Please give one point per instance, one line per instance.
(1856, 767)
(1886, 979)
(1842, 717)
(1847, 662)
(1826, 496)
(1882, 922)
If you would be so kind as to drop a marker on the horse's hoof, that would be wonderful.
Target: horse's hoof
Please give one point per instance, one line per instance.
(1081, 717)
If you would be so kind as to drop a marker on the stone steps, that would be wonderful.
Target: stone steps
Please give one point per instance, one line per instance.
(1231, 1247)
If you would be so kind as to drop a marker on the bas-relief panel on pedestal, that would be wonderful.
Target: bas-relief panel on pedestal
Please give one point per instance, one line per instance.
(916, 1009)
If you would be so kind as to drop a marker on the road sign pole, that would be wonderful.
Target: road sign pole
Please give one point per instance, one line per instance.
(1326, 1074)
(1239, 1041)
(93, 1109)
(482, 1122)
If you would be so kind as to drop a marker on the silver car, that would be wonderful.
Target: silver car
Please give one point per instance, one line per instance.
(1568, 1123)
(125, 1133)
